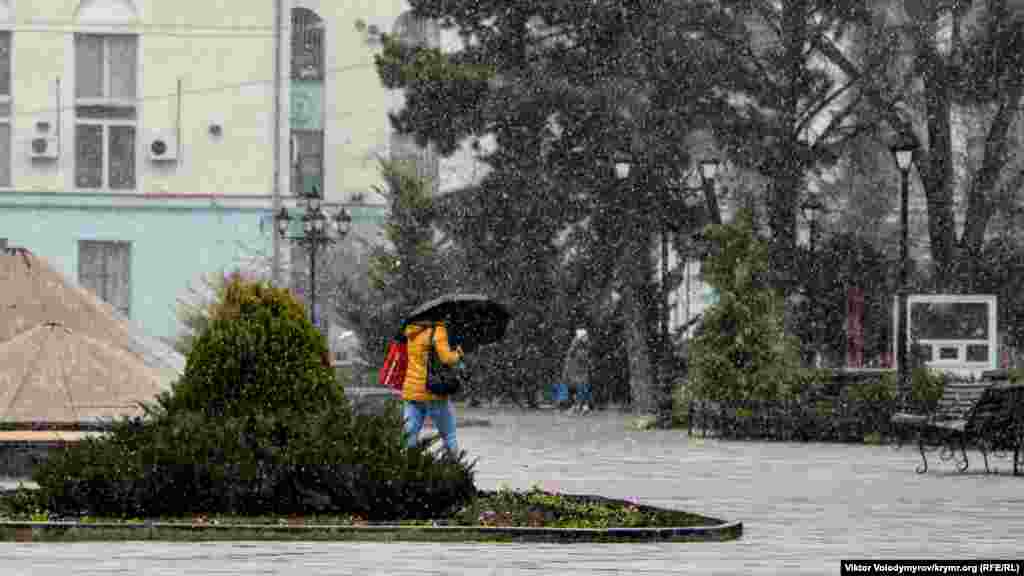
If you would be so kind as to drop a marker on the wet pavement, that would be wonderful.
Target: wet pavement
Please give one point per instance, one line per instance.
(804, 507)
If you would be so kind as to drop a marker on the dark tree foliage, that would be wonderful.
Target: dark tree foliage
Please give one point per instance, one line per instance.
(787, 114)
(843, 263)
(560, 89)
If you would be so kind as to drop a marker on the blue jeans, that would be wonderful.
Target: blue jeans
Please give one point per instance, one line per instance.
(440, 412)
(561, 393)
(583, 394)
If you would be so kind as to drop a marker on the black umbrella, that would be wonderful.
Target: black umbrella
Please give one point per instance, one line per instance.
(473, 319)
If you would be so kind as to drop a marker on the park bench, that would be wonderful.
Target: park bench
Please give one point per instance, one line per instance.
(994, 424)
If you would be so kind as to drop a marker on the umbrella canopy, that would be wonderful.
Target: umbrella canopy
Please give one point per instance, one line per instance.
(473, 319)
(54, 374)
(33, 293)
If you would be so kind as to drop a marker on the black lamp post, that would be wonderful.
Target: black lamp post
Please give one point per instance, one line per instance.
(319, 229)
(812, 208)
(904, 152)
(708, 171)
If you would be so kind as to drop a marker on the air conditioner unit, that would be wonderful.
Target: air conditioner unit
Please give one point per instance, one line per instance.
(44, 143)
(43, 148)
(163, 147)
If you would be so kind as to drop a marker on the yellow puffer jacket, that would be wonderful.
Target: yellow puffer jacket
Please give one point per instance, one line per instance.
(418, 337)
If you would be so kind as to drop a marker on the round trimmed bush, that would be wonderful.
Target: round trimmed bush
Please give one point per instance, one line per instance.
(258, 353)
(257, 425)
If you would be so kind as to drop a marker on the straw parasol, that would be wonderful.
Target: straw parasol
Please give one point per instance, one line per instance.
(54, 374)
(34, 293)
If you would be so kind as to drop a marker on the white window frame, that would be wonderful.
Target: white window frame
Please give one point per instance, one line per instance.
(106, 123)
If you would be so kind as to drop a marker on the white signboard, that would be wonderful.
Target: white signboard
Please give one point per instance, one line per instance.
(957, 333)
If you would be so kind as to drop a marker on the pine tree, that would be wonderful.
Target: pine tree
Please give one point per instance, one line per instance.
(740, 351)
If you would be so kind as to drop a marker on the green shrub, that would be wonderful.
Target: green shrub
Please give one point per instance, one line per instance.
(926, 388)
(872, 403)
(21, 502)
(256, 426)
(259, 352)
(682, 395)
(877, 391)
(328, 462)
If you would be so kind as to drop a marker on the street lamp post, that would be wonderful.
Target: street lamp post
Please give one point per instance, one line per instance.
(904, 152)
(319, 229)
(813, 208)
(708, 171)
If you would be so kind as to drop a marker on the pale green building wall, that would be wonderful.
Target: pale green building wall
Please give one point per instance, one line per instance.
(175, 243)
(171, 247)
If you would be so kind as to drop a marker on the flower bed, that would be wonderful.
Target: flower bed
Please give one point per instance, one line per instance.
(502, 515)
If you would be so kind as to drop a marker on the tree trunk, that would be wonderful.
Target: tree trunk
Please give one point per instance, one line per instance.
(635, 270)
(640, 374)
(983, 184)
(937, 174)
(788, 165)
(784, 189)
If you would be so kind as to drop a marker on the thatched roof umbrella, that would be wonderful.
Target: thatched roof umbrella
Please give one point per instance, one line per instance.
(52, 374)
(33, 293)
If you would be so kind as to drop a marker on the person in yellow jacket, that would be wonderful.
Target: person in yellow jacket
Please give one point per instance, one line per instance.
(419, 403)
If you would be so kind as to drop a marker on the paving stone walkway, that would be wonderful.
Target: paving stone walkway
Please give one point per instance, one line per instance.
(804, 507)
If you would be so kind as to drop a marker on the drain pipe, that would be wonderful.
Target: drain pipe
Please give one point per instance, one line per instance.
(278, 17)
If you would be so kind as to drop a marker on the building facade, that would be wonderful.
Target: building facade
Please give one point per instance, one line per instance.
(142, 142)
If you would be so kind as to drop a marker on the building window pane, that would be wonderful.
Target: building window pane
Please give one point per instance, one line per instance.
(122, 61)
(977, 352)
(5, 154)
(89, 156)
(105, 269)
(5, 64)
(89, 66)
(308, 166)
(106, 85)
(122, 157)
(307, 45)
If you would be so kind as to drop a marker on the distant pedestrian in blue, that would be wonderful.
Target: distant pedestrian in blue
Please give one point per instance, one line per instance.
(576, 372)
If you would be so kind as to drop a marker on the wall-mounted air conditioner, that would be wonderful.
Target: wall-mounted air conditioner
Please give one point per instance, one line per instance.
(163, 146)
(44, 145)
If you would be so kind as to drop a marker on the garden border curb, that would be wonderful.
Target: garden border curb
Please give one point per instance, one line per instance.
(28, 531)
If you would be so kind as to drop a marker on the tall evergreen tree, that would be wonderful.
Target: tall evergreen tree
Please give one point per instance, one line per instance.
(404, 272)
(563, 88)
